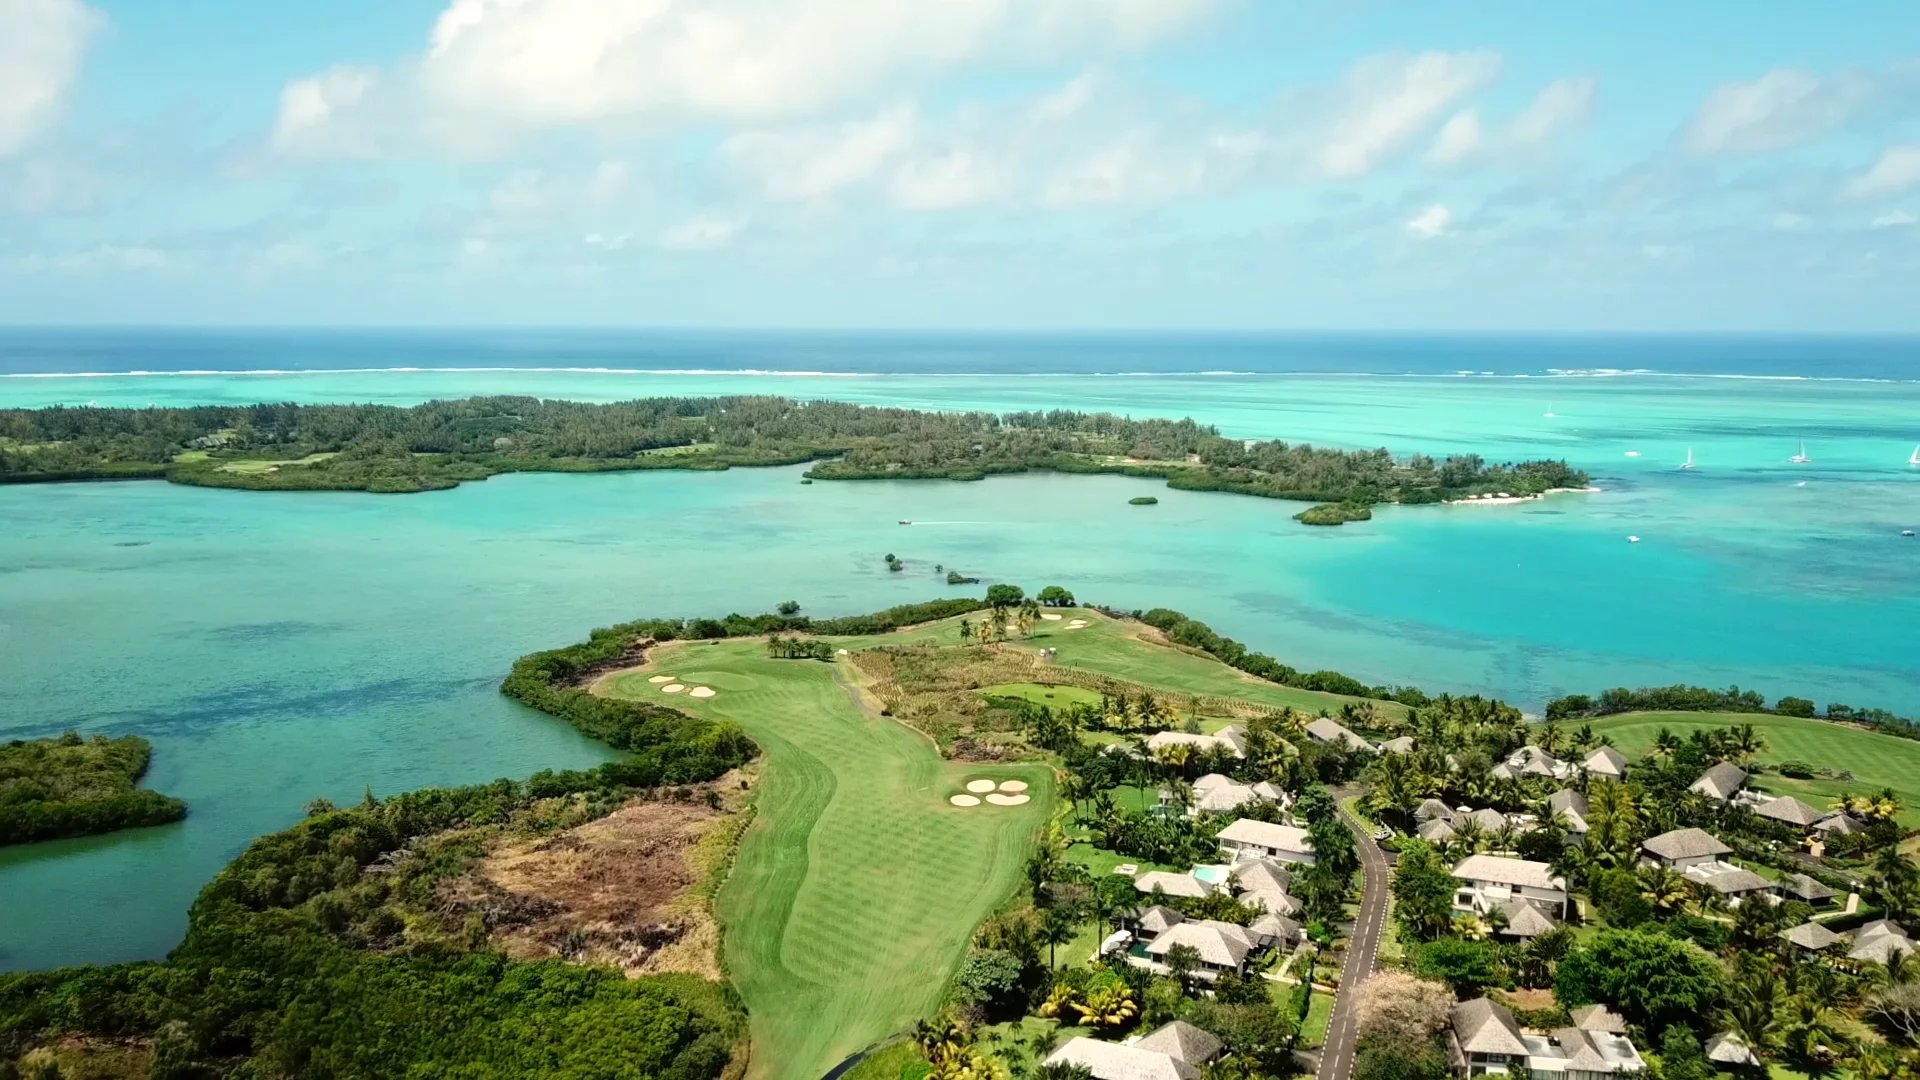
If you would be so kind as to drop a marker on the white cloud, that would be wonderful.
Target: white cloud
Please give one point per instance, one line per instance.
(963, 176)
(42, 44)
(494, 67)
(1458, 140)
(1431, 222)
(309, 123)
(1898, 170)
(810, 163)
(1778, 111)
(1896, 219)
(704, 233)
(1564, 104)
(1788, 221)
(1390, 100)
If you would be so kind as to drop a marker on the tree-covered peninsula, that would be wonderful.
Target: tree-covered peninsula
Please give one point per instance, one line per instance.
(381, 448)
(70, 786)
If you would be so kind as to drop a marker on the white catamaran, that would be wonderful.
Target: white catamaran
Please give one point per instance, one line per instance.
(1801, 458)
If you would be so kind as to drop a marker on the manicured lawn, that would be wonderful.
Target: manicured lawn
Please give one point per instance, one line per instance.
(1039, 694)
(1874, 759)
(1313, 1030)
(898, 1061)
(855, 890)
(1110, 647)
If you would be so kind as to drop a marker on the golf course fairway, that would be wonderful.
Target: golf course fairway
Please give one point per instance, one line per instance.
(855, 890)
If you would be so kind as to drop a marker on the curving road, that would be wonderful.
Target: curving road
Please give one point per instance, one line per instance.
(1336, 1057)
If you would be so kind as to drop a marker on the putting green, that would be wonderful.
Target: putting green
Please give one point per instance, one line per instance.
(856, 888)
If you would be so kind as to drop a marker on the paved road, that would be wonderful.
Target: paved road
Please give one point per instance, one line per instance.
(1336, 1057)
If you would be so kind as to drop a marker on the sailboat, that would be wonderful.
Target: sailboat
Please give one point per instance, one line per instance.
(1801, 458)
(1550, 414)
(1689, 463)
(1914, 458)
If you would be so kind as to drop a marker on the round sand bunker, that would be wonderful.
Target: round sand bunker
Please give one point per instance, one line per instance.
(964, 800)
(700, 691)
(658, 679)
(998, 799)
(1052, 616)
(979, 786)
(672, 688)
(1013, 785)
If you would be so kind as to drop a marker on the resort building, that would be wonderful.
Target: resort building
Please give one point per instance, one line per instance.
(1606, 762)
(1266, 884)
(1522, 920)
(1250, 838)
(1488, 882)
(1222, 946)
(1171, 884)
(1228, 740)
(1401, 745)
(1788, 810)
(1879, 942)
(1811, 937)
(1333, 732)
(1215, 793)
(1174, 1051)
(1682, 848)
(1729, 1051)
(1484, 1040)
(1807, 889)
(1532, 761)
(1571, 807)
(1696, 854)
(1721, 782)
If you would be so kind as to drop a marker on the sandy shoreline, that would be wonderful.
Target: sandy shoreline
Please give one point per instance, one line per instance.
(1513, 500)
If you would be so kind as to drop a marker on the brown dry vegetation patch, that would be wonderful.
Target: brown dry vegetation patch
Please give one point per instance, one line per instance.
(82, 1057)
(629, 889)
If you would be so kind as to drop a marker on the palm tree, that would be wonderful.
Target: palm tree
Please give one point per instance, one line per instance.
(1061, 1070)
(1753, 1008)
(1665, 743)
(1811, 1037)
(1028, 614)
(1108, 1005)
(1667, 890)
(1745, 742)
(1056, 927)
(1059, 999)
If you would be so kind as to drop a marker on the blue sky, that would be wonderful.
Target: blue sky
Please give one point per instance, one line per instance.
(962, 163)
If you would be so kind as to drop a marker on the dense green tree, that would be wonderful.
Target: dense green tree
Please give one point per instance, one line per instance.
(1465, 966)
(1652, 979)
(1422, 892)
(1055, 596)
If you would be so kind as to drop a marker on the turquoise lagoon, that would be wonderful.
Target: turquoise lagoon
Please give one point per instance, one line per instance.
(282, 647)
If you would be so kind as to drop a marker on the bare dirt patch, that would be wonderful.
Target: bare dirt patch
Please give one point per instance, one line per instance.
(629, 889)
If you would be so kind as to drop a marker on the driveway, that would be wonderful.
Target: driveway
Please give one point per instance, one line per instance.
(1336, 1057)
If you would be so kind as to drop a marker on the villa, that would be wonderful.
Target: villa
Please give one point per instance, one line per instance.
(1484, 1040)
(1228, 740)
(1606, 762)
(1532, 761)
(1571, 807)
(1222, 946)
(1721, 782)
(1401, 745)
(1173, 1051)
(1696, 854)
(1333, 732)
(1219, 794)
(1806, 888)
(1488, 882)
(1171, 884)
(1250, 838)
(1788, 810)
(1523, 920)
(1810, 937)
(1682, 848)
(1266, 884)
(1879, 942)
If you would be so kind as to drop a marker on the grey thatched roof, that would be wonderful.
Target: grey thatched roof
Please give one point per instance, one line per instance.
(1606, 761)
(1172, 884)
(1432, 810)
(1811, 935)
(1401, 745)
(1114, 1061)
(1598, 1018)
(1728, 1048)
(1571, 806)
(1484, 1026)
(1720, 781)
(1182, 1042)
(1524, 920)
(1790, 810)
(1807, 888)
(1328, 730)
(1686, 843)
(1159, 917)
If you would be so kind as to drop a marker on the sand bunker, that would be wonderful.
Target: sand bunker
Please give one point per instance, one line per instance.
(1077, 624)
(964, 800)
(998, 799)
(658, 679)
(672, 688)
(979, 786)
(700, 691)
(1013, 785)
(1051, 616)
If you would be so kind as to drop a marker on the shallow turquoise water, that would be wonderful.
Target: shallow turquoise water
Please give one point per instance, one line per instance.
(279, 647)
